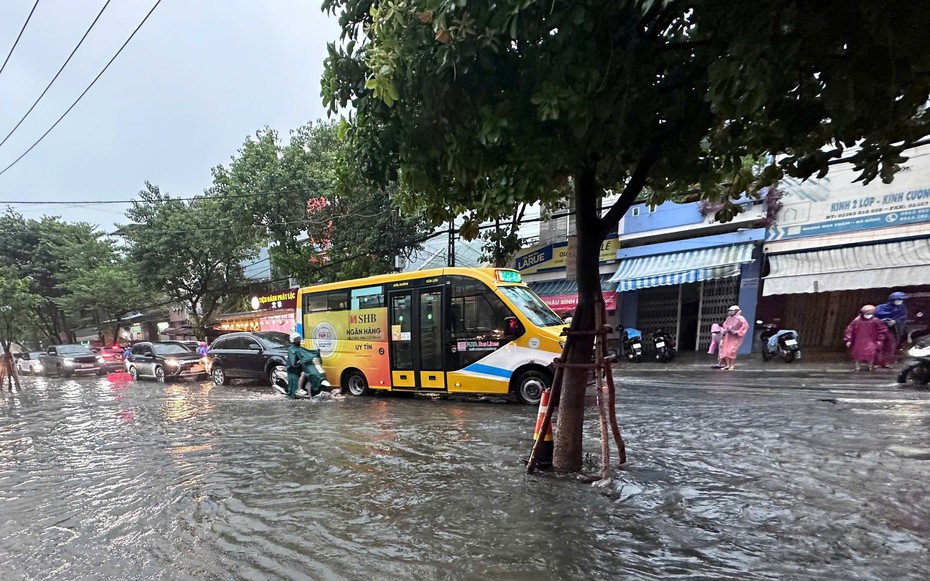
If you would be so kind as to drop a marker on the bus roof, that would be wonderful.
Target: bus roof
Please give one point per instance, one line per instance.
(484, 274)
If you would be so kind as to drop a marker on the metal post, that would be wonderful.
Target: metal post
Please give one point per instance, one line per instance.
(697, 340)
(451, 247)
(678, 316)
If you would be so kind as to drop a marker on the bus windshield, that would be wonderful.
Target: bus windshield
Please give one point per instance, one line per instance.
(531, 306)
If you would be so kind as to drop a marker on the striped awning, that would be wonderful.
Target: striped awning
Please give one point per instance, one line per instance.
(681, 267)
(547, 288)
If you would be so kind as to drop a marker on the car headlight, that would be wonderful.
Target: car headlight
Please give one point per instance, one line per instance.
(68, 361)
(100, 359)
(37, 367)
(172, 362)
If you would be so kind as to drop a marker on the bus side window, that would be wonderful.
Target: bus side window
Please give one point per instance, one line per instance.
(367, 298)
(475, 313)
(315, 303)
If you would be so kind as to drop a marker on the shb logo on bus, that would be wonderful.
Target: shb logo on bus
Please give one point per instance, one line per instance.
(324, 339)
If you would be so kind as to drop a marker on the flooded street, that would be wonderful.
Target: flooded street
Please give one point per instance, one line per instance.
(822, 478)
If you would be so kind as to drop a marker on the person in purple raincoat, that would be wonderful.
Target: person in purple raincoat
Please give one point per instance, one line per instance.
(865, 337)
(894, 314)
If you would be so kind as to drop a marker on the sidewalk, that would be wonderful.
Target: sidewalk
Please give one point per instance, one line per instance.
(812, 361)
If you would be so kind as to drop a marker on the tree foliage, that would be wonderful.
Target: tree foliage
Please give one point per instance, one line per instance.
(313, 212)
(48, 252)
(189, 250)
(478, 106)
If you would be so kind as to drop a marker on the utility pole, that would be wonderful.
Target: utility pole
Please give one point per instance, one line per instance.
(451, 247)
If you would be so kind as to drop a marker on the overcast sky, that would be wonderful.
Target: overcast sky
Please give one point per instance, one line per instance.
(198, 78)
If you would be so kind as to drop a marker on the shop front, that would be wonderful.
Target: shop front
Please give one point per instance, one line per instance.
(838, 244)
(274, 311)
(684, 287)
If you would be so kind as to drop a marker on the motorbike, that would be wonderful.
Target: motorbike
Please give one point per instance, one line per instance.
(778, 342)
(631, 341)
(918, 369)
(664, 346)
(312, 380)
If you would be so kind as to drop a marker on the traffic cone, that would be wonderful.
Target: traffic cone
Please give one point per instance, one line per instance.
(544, 459)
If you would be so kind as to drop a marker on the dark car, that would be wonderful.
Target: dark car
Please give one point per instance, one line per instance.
(112, 357)
(162, 361)
(247, 356)
(68, 360)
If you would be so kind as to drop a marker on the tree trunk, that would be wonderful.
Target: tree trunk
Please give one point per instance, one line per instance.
(568, 452)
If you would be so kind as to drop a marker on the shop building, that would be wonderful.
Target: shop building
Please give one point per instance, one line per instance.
(837, 245)
(679, 270)
(272, 311)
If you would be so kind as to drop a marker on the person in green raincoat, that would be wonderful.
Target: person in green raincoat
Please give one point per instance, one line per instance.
(295, 366)
(303, 369)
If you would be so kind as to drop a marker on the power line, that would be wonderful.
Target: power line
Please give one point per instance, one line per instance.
(81, 96)
(18, 36)
(47, 87)
(169, 199)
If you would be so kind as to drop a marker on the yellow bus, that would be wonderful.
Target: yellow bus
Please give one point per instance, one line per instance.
(448, 330)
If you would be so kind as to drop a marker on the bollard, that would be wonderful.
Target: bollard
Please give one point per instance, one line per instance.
(544, 459)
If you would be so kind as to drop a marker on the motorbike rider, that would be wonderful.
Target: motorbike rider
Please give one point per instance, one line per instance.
(295, 366)
(894, 314)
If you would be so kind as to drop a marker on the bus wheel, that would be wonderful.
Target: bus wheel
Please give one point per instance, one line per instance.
(356, 383)
(530, 385)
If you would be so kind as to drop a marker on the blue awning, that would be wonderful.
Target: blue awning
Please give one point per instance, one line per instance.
(681, 267)
(549, 288)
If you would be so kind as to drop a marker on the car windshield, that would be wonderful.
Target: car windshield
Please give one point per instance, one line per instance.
(36, 355)
(169, 349)
(273, 339)
(531, 306)
(74, 350)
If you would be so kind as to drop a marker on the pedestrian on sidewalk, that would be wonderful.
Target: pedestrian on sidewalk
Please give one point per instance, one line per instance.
(893, 314)
(716, 335)
(865, 337)
(734, 329)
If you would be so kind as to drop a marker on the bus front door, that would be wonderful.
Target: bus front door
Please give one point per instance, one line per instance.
(416, 339)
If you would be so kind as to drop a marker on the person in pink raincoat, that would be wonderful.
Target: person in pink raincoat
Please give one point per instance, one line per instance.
(865, 337)
(734, 329)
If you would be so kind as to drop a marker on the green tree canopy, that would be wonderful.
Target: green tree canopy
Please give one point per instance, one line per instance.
(300, 199)
(190, 251)
(47, 252)
(479, 105)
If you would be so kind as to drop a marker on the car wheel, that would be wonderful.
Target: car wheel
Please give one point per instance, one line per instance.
(102, 372)
(219, 376)
(530, 386)
(159, 373)
(356, 383)
(788, 357)
(133, 373)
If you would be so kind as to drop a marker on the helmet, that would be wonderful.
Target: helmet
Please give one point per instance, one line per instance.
(897, 296)
(295, 336)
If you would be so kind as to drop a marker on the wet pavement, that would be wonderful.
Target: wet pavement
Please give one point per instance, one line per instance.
(794, 474)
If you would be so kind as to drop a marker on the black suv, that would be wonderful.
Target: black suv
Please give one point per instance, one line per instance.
(163, 360)
(247, 356)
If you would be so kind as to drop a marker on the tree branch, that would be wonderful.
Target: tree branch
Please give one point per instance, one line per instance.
(633, 187)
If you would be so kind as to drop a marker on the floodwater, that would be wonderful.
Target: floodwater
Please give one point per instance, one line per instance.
(106, 479)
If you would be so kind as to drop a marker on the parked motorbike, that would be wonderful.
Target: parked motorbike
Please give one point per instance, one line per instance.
(918, 369)
(631, 340)
(664, 346)
(778, 342)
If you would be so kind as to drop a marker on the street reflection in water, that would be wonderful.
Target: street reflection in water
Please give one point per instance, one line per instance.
(105, 478)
